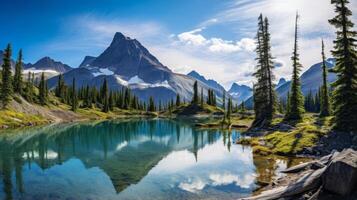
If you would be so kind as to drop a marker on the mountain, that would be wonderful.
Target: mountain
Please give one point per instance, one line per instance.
(47, 64)
(209, 82)
(281, 82)
(87, 60)
(127, 63)
(311, 80)
(240, 92)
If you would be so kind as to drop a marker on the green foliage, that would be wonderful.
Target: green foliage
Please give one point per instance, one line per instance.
(264, 92)
(105, 96)
(178, 100)
(6, 86)
(325, 99)
(151, 107)
(43, 90)
(296, 98)
(74, 98)
(18, 74)
(345, 87)
(211, 100)
(195, 93)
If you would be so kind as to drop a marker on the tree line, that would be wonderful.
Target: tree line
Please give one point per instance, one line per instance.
(338, 99)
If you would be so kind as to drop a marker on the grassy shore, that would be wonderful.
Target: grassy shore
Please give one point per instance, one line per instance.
(304, 134)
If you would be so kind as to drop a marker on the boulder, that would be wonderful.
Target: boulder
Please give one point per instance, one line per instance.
(340, 176)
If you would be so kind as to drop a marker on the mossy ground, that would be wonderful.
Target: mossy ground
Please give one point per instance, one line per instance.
(305, 134)
(11, 118)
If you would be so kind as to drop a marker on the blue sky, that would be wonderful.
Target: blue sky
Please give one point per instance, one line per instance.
(214, 37)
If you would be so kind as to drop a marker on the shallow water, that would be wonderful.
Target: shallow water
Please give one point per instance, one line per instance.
(133, 159)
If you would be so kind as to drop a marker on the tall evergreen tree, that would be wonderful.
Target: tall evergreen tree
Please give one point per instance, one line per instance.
(224, 100)
(74, 98)
(18, 74)
(42, 90)
(345, 87)
(269, 66)
(105, 96)
(6, 86)
(296, 101)
(178, 101)
(195, 93)
(151, 107)
(202, 98)
(229, 109)
(325, 100)
(264, 89)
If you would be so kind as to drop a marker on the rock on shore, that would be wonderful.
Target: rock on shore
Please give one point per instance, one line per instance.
(331, 177)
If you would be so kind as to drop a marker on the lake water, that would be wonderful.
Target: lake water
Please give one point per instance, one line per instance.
(130, 159)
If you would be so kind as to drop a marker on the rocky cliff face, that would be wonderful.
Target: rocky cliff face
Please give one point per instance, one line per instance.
(127, 63)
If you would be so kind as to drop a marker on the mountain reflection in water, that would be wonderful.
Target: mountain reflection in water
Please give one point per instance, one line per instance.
(133, 159)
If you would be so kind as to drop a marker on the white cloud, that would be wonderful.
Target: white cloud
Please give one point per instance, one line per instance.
(192, 37)
(195, 38)
(226, 179)
(242, 16)
(192, 186)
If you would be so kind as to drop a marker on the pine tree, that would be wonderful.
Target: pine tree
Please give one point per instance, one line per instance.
(59, 91)
(269, 66)
(105, 96)
(296, 103)
(325, 100)
(202, 98)
(229, 110)
(28, 92)
(42, 90)
(6, 86)
(74, 102)
(345, 87)
(224, 101)
(195, 93)
(151, 107)
(18, 74)
(264, 89)
(178, 101)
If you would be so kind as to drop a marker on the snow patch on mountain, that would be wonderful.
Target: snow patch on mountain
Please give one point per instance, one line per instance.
(101, 71)
(37, 71)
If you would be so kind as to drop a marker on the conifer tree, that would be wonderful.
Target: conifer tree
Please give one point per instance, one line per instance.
(178, 101)
(42, 90)
(151, 107)
(224, 100)
(105, 96)
(296, 101)
(345, 87)
(195, 93)
(74, 99)
(60, 86)
(325, 100)
(202, 98)
(229, 109)
(264, 89)
(18, 74)
(29, 93)
(6, 86)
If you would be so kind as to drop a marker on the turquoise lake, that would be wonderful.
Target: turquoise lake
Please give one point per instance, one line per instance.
(130, 159)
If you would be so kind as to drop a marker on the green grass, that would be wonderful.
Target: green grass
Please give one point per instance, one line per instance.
(13, 119)
(305, 134)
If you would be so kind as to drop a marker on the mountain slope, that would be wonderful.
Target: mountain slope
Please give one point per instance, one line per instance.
(209, 82)
(48, 64)
(126, 63)
(240, 92)
(311, 80)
